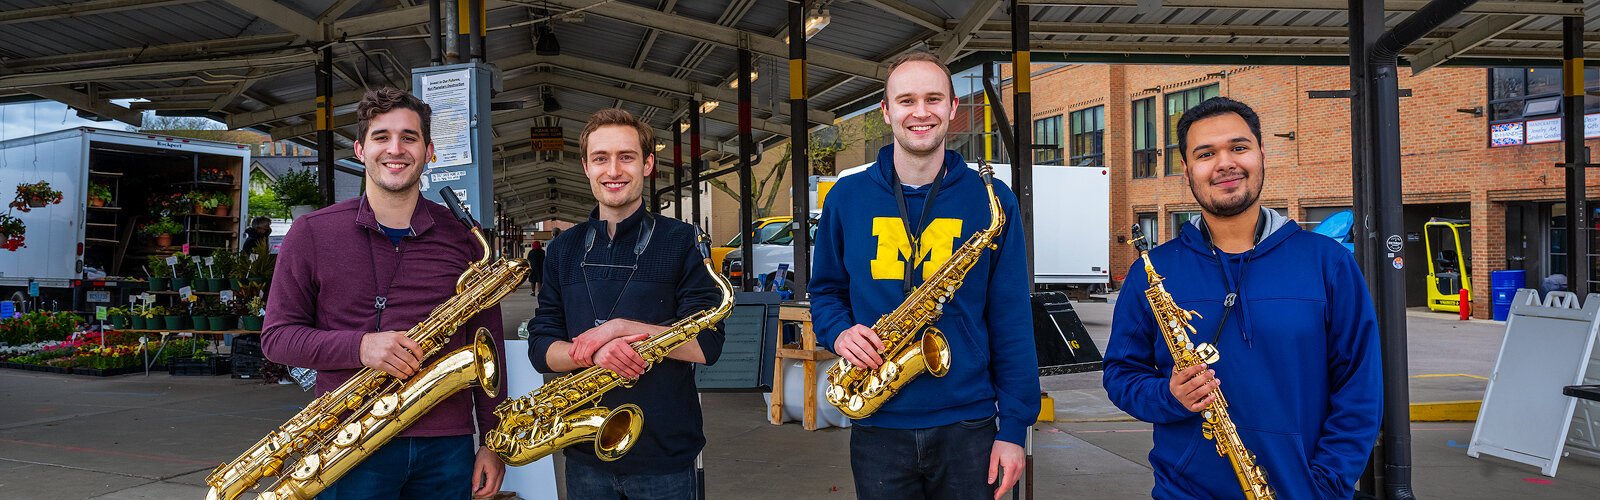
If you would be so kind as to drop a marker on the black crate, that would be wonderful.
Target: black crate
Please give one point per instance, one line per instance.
(247, 366)
(216, 364)
(247, 345)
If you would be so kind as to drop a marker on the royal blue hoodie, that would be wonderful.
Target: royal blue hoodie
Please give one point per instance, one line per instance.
(1299, 363)
(859, 263)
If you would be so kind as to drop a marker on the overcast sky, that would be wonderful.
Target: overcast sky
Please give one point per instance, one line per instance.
(33, 118)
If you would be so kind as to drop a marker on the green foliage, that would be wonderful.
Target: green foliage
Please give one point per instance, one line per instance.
(158, 266)
(99, 191)
(297, 187)
(164, 225)
(38, 326)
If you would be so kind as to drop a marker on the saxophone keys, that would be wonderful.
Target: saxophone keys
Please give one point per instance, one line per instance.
(385, 406)
(308, 467)
(349, 435)
(1208, 353)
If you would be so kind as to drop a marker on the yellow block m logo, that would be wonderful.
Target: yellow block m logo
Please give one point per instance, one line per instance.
(934, 247)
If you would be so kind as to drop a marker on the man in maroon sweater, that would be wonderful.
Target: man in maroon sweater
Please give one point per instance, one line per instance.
(353, 277)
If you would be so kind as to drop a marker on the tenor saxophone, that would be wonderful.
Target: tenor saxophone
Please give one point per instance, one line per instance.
(859, 392)
(341, 428)
(1217, 426)
(567, 411)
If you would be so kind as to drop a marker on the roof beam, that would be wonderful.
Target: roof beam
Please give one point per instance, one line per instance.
(1491, 7)
(170, 105)
(1241, 49)
(152, 53)
(147, 69)
(1472, 35)
(336, 11)
(290, 110)
(80, 9)
(283, 17)
(908, 12)
(655, 80)
(102, 107)
(958, 38)
(723, 114)
(184, 91)
(1045, 28)
(711, 32)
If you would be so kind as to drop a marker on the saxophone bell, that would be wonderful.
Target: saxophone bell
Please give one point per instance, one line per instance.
(618, 432)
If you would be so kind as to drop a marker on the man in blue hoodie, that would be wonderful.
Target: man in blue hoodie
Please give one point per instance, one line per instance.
(1288, 311)
(882, 233)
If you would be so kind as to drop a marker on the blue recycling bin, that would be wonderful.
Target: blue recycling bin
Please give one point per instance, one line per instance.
(1503, 287)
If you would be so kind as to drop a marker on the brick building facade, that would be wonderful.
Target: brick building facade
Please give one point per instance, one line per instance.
(1511, 194)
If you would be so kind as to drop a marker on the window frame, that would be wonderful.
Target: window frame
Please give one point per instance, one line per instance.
(1146, 161)
(1055, 154)
(1174, 165)
(1095, 138)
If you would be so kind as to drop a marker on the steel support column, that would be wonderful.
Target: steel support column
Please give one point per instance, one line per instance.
(747, 149)
(435, 32)
(677, 171)
(1366, 25)
(694, 161)
(800, 170)
(324, 76)
(1579, 267)
(1022, 133)
(1380, 219)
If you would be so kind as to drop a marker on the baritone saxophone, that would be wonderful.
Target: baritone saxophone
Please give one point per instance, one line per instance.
(1217, 426)
(859, 392)
(341, 428)
(567, 410)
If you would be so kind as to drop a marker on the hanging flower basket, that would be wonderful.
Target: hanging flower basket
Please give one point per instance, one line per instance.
(35, 195)
(11, 232)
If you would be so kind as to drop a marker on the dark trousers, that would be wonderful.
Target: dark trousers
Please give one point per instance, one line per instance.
(410, 468)
(946, 462)
(588, 483)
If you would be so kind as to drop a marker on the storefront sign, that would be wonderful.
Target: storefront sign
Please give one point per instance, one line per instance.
(1505, 134)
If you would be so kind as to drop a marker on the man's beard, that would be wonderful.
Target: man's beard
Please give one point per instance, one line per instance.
(1229, 208)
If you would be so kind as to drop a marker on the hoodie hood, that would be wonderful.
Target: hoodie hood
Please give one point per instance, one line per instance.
(1268, 239)
(882, 171)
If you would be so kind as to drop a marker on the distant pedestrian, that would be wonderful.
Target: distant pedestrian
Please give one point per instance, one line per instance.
(535, 267)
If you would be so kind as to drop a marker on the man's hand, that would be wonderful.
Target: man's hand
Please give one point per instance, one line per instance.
(1194, 386)
(1007, 457)
(589, 342)
(619, 356)
(487, 472)
(860, 346)
(391, 352)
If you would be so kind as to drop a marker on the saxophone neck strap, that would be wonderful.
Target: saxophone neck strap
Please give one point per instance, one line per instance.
(647, 229)
(905, 218)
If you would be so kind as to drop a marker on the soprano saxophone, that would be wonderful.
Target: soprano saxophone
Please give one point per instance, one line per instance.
(567, 410)
(1218, 426)
(341, 428)
(859, 392)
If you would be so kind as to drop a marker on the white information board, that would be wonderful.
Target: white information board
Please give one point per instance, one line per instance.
(449, 96)
(535, 481)
(1525, 418)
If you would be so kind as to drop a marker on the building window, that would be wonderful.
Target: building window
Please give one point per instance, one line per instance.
(1179, 219)
(1532, 93)
(1144, 138)
(1088, 137)
(1177, 103)
(1047, 141)
(1148, 224)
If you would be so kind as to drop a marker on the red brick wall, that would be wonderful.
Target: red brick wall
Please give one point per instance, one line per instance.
(1445, 156)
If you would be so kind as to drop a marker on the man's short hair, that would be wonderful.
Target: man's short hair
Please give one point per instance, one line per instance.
(614, 116)
(924, 56)
(384, 100)
(1213, 107)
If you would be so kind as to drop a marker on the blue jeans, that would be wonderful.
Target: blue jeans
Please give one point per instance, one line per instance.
(946, 462)
(410, 468)
(588, 483)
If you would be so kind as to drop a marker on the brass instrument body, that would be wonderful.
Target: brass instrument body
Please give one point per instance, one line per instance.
(372, 404)
(859, 392)
(1217, 425)
(566, 411)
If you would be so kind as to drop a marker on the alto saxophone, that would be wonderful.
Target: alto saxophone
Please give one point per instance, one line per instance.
(341, 428)
(567, 410)
(859, 392)
(1218, 426)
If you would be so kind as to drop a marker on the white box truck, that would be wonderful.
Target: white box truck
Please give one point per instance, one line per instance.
(73, 247)
(1071, 220)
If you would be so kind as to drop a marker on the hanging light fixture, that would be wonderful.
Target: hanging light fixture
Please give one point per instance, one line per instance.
(818, 19)
(547, 44)
(754, 75)
(683, 126)
(709, 105)
(551, 105)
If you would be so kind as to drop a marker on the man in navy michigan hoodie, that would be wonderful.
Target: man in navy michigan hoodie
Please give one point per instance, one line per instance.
(961, 435)
(1298, 344)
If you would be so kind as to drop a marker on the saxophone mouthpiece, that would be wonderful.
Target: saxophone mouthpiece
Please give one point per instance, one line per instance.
(1139, 240)
(450, 200)
(702, 243)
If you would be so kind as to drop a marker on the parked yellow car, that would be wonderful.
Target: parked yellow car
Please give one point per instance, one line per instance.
(765, 227)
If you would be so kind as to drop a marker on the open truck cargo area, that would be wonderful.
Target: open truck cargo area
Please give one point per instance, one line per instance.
(113, 184)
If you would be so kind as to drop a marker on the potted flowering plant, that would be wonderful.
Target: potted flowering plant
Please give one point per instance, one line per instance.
(35, 195)
(99, 195)
(118, 317)
(160, 273)
(162, 230)
(251, 313)
(201, 200)
(223, 204)
(11, 231)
